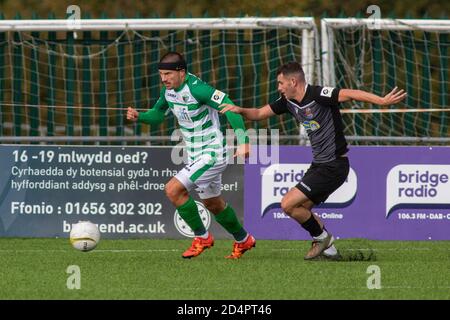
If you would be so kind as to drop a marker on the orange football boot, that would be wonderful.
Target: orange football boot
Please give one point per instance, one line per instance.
(198, 246)
(240, 248)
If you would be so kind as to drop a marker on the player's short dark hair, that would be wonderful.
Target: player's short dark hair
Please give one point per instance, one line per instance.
(292, 68)
(171, 57)
(173, 61)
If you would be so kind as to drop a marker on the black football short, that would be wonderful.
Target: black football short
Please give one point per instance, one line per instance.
(322, 179)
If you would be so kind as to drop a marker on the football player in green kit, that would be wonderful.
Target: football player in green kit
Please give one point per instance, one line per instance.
(195, 105)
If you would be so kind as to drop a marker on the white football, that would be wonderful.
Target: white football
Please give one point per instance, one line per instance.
(84, 236)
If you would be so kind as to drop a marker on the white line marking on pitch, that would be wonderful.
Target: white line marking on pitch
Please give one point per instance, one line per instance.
(372, 249)
(97, 250)
(177, 250)
(138, 250)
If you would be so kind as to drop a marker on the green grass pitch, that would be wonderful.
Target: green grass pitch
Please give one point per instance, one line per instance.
(154, 269)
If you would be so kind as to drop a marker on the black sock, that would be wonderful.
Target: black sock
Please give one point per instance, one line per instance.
(312, 226)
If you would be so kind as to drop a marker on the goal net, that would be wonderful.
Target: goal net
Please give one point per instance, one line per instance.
(63, 84)
(376, 56)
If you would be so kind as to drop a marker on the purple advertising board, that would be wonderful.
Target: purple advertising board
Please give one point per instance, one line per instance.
(391, 193)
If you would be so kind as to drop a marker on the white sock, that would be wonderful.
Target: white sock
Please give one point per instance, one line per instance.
(322, 236)
(331, 251)
(204, 236)
(243, 240)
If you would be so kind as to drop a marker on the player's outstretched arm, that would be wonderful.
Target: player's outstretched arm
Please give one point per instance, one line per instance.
(393, 97)
(132, 114)
(238, 125)
(154, 116)
(248, 113)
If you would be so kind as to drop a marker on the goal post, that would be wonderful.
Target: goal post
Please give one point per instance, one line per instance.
(74, 80)
(61, 80)
(378, 54)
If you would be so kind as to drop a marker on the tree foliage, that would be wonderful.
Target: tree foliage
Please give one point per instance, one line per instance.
(227, 8)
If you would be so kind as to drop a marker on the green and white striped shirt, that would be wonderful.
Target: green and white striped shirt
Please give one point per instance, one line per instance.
(195, 104)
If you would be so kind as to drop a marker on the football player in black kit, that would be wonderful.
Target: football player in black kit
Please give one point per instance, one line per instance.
(317, 109)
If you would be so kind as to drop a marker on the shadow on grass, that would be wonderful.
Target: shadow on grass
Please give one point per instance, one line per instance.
(350, 255)
(354, 255)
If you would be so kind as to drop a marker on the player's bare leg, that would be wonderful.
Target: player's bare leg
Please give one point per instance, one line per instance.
(297, 205)
(176, 192)
(215, 205)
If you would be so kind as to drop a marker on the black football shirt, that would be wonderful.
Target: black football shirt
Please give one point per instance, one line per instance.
(319, 114)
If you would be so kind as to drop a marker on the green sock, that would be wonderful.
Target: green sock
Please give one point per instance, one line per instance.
(227, 219)
(189, 212)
